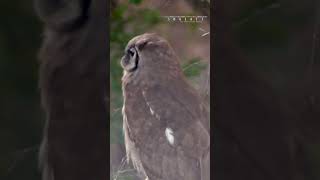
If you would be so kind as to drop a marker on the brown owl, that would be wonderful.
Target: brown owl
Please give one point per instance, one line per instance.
(166, 126)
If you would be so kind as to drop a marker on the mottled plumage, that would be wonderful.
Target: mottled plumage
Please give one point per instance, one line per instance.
(166, 125)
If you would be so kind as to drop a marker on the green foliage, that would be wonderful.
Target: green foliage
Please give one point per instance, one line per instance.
(135, 1)
(151, 17)
(193, 67)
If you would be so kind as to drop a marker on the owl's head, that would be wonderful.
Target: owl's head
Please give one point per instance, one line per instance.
(149, 53)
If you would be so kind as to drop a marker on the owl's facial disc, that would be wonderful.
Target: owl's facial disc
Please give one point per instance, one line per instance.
(130, 61)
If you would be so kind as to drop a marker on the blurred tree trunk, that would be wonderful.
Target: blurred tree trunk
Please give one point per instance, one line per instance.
(304, 92)
(253, 135)
(73, 82)
(113, 4)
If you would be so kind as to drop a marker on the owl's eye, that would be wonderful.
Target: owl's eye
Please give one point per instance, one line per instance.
(132, 52)
(130, 61)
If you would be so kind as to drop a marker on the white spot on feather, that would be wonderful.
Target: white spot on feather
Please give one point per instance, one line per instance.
(148, 104)
(152, 112)
(169, 135)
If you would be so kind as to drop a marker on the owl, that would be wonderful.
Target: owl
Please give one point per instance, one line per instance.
(165, 123)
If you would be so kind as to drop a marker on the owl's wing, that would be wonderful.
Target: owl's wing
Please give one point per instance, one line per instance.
(182, 139)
